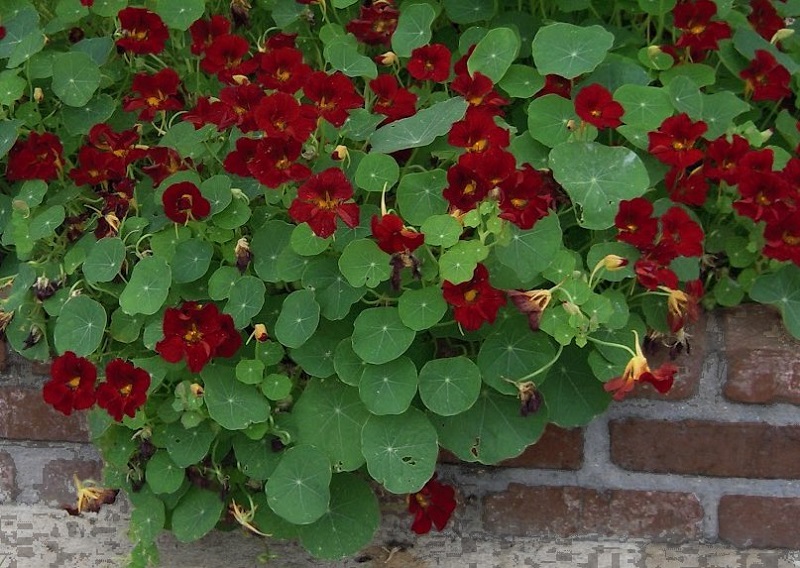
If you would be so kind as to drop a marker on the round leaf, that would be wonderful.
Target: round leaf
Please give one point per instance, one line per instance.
(549, 118)
(494, 53)
(442, 230)
(469, 11)
(250, 371)
(422, 309)
(348, 366)
(75, 78)
(196, 514)
(298, 489)
(298, 320)
(276, 386)
(363, 263)
(305, 243)
(449, 386)
(147, 288)
(530, 251)
(401, 450)
(521, 81)
(389, 388)
(343, 55)
(379, 335)
(256, 458)
(188, 446)
(377, 172)
(162, 474)
(222, 282)
(568, 50)
(217, 189)
(645, 107)
(232, 404)
(782, 290)
(180, 14)
(420, 195)
(80, 326)
(413, 28)
(191, 261)
(245, 301)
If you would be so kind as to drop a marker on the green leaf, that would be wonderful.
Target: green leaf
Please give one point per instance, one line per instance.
(104, 260)
(511, 353)
(413, 28)
(108, 8)
(180, 14)
(187, 141)
(188, 446)
(234, 215)
(420, 129)
(521, 81)
(147, 518)
(76, 77)
(379, 335)
(276, 386)
(232, 404)
(422, 309)
(686, 97)
(572, 393)
(80, 120)
(530, 251)
(377, 172)
(458, 264)
(657, 7)
(419, 195)
(782, 290)
(597, 178)
(389, 388)
(343, 55)
(196, 514)
(80, 326)
(449, 386)
(125, 328)
(162, 474)
(400, 450)
(256, 458)
(12, 87)
(364, 264)
(267, 244)
(442, 230)
(217, 189)
(568, 50)
(492, 430)
(28, 46)
(719, 110)
(348, 366)
(191, 261)
(298, 319)
(330, 416)
(645, 107)
(147, 288)
(469, 11)
(8, 135)
(315, 356)
(222, 281)
(348, 525)
(45, 223)
(245, 301)
(305, 243)
(298, 489)
(548, 119)
(250, 371)
(494, 53)
(728, 292)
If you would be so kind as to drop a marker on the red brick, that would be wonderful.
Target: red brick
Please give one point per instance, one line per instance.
(3, 355)
(8, 477)
(522, 510)
(763, 366)
(720, 449)
(558, 448)
(25, 416)
(762, 522)
(58, 484)
(690, 365)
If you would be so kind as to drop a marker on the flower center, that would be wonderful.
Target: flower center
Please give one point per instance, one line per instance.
(126, 390)
(327, 203)
(519, 203)
(697, 29)
(791, 240)
(471, 295)
(73, 383)
(479, 146)
(422, 500)
(193, 335)
(282, 75)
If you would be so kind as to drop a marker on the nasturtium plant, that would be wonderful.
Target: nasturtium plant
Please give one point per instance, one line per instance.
(282, 253)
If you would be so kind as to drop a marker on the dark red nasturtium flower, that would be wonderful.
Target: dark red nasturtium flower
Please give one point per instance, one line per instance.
(241, 102)
(124, 390)
(595, 104)
(392, 101)
(274, 162)
(332, 95)
(205, 31)
(478, 90)
(760, 193)
(40, 156)
(765, 19)
(184, 202)
(158, 92)
(465, 188)
(121, 144)
(430, 62)
(765, 79)
(525, 198)
(87, 3)
(71, 384)
(280, 115)
(674, 143)
(393, 236)
(699, 32)
(97, 167)
(782, 237)
(555, 85)
(228, 56)
(197, 332)
(323, 198)
(474, 301)
(283, 69)
(163, 162)
(689, 187)
(376, 22)
(683, 306)
(431, 506)
(142, 31)
(2, 33)
(478, 131)
(635, 223)
(651, 274)
(722, 158)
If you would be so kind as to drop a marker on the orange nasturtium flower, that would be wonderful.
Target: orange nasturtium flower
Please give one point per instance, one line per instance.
(638, 371)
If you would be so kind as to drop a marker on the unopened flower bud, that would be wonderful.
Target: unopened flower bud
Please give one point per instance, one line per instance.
(388, 58)
(340, 153)
(113, 221)
(241, 79)
(612, 262)
(38, 94)
(571, 308)
(243, 255)
(260, 332)
(781, 34)
(197, 389)
(654, 51)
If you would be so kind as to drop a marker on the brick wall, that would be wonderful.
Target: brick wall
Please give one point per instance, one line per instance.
(717, 459)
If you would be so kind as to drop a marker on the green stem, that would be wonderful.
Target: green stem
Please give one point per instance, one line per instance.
(541, 370)
(609, 344)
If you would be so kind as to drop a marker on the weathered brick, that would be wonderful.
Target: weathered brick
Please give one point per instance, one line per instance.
(3, 355)
(720, 449)
(522, 510)
(762, 522)
(8, 477)
(58, 485)
(690, 365)
(558, 448)
(763, 366)
(25, 416)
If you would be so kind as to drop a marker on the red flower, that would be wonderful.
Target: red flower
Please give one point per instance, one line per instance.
(494, 166)
(555, 85)
(164, 162)
(431, 506)
(680, 234)
(765, 19)
(37, 157)
(2, 33)
(280, 115)
(197, 332)
(142, 31)
(478, 90)
(121, 144)
(97, 167)
(682, 306)
(766, 79)
(700, 34)
(474, 301)
(376, 22)
(651, 274)
(465, 188)
(638, 371)
(157, 92)
(478, 131)
(392, 235)
(241, 102)
(430, 62)
(635, 223)
(205, 31)
(722, 158)
(674, 141)
(690, 188)
(124, 390)
(283, 69)
(238, 161)
(323, 198)
(274, 162)
(183, 202)
(207, 111)
(760, 193)
(595, 105)
(782, 237)
(87, 3)
(392, 101)
(227, 56)
(71, 384)
(333, 95)
(525, 198)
